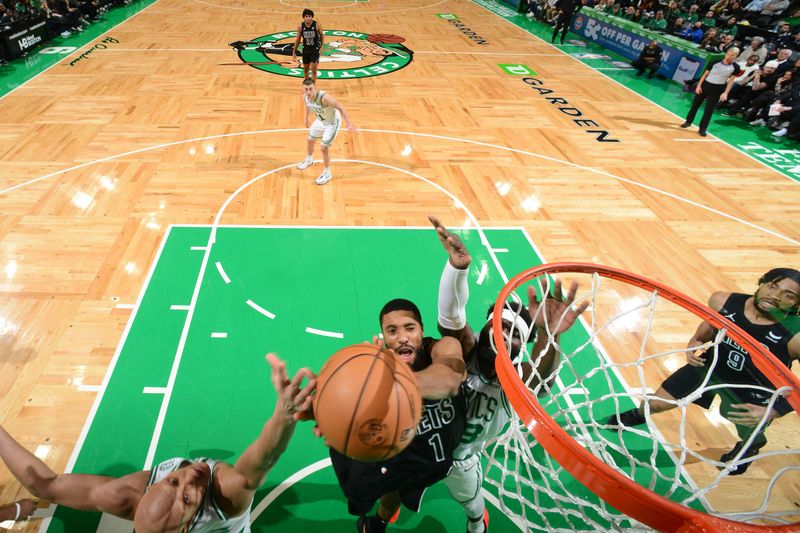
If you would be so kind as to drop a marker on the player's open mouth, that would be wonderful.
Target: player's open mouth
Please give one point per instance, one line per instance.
(406, 354)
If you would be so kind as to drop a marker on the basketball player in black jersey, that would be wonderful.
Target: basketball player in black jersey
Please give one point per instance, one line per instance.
(310, 33)
(439, 370)
(770, 317)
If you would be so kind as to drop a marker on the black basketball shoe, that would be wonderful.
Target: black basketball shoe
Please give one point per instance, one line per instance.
(629, 418)
(741, 468)
(370, 524)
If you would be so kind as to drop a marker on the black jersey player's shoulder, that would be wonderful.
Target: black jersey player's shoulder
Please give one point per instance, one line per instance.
(718, 299)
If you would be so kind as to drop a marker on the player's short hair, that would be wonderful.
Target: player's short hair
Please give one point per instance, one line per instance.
(307, 11)
(308, 81)
(778, 274)
(400, 304)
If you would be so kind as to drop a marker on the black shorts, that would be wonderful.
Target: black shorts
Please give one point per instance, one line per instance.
(688, 379)
(363, 484)
(310, 56)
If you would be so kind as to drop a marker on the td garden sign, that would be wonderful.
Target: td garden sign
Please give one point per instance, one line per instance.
(344, 54)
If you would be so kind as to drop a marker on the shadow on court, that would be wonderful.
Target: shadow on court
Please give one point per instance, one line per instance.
(307, 507)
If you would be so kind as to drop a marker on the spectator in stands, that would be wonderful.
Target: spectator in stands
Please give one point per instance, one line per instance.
(86, 8)
(630, 14)
(794, 18)
(536, 9)
(673, 11)
(763, 80)
(756, 47)
(551, 12)
(693, 33)
(714, 85)
(769, 12)
(794, 44)
(676, 27)
(784, 61)
(784, 39)
(657, 23)
(648, 6)
(731, 9)
(772, 101)
(710, 42)
(615, 10)
(692, 15)
(792, 130)
(709, 21)
(730, 27)
(754, 7)
(59, 18)
(784, 30)
(5, 16)
(726, 42)
(649, 59)
(745, 78)
(719, 7)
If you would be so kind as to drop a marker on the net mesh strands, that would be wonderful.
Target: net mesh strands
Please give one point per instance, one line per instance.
(666, 474)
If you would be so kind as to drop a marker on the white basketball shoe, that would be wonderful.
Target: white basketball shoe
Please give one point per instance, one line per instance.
(305, 163)
(324, 178)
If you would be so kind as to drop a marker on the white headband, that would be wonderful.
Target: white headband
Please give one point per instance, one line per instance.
(518, 323)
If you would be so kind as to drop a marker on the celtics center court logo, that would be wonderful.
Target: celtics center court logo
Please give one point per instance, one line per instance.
(344, 54)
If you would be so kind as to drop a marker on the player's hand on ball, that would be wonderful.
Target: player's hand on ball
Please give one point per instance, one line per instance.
(377, 342)
(293, 398)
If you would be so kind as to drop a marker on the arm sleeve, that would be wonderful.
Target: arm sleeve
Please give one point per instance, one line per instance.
(453, 296)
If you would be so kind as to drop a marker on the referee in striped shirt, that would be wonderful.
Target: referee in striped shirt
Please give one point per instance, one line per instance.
(714, 85)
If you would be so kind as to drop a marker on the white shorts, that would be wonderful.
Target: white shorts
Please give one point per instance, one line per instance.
(326, 132)
(465, 479)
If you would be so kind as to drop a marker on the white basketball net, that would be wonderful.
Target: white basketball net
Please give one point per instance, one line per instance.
(632, 341)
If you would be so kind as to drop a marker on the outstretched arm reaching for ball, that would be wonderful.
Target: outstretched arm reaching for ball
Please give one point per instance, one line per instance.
(552, 316)
(238, 484)
(443, 377)
(453, 288)
(85, 492)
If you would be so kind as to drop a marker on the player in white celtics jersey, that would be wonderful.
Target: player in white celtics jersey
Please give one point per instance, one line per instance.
(178, 495)
(329, 114)
(488, 410)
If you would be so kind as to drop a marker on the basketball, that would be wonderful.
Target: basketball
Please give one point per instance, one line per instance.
(385, 38)
(367, 405)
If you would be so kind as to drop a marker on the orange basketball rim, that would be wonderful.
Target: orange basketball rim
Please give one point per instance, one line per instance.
(625, 495)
